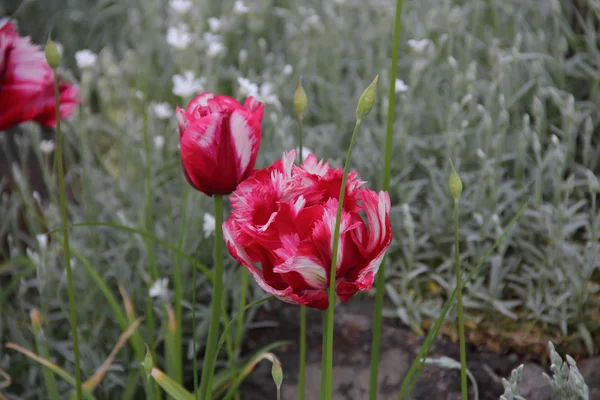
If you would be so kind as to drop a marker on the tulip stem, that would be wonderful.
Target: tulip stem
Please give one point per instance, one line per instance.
(387, 169)
(461, 316)
(302, 368)
(215, 314)
(194, 352)
(67, 247)
(332, 273)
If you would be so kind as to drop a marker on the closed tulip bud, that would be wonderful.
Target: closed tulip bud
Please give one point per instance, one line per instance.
(367, 99)
(219, 141)
(300, 100)
(456, 185)
(52, 54)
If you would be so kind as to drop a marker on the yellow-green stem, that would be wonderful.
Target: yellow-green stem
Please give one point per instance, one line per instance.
(302, 366)
(67, 247)
(217, 297)
(332, 274)
(461, 316)
(239, 330)
(387, 172)
(323, 387)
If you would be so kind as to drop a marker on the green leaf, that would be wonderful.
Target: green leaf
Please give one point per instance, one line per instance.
(170, 386)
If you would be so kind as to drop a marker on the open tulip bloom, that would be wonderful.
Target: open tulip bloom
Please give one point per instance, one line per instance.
(219, 141)
(281, 228)
(27, 82)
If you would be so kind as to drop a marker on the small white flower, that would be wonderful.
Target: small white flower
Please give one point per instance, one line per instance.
(240, 8)
(248, 88)
(480, 154)
(267, 94)
(555, 140)
(209, 225)
(33, 256)
(418, 45)
(400, 86)
(243, 55)
(180, 6)
(162, 110)
(139, 95)
(452, 61)
(42, 240)
(159, 142)
(179, 37)
(37, 197)
(214, 24)
(305, 152)
(287, 70)
(215, 49)
(85, 59)
(160, 288)
(47, 146)
(187, 85)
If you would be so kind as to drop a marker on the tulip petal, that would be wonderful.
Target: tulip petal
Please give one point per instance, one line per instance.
(255, 107)
(245, 134)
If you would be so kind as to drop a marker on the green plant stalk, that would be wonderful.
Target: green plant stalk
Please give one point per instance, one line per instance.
(417, 365)
(42, 349)
(178, 376)
(239, 331)
(461, 315)
(332, 274)
(302, 350)
(228, 341)
(323, 386)
(67, 247)
(194, 355)
(217, 297)
(149, 224)
(387, 173)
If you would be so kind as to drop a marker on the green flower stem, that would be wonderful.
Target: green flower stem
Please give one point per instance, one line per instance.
(239, 329)
(387, 172)
(461, 316)
(332, 274)
(323, 386)
(302, 362)
(67, 247)
(194, 355)
(217, 297)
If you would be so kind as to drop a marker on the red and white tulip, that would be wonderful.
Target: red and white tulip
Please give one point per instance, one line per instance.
(219, 141)
(281, 229)
(27, 83)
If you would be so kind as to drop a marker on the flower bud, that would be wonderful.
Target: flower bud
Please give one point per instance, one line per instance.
(36, 320)
(52, 54)
(277, 372)
(148, 364)
(300, 99)
(456, 185)
(367, 99)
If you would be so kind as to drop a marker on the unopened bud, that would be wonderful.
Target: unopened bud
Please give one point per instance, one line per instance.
(52, 54)
(367, 99)
(148, 364)
(300, 99)
(456, 185)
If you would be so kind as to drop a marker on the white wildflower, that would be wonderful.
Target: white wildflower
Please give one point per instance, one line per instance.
(85, 59)
(33, 256)
(267, 94)
(248, 88)
(162, 110)
(243, 56)
(159, 142)
(215, 49)
(42, 240)
(209, 225)
(305, 152)
(480, 154)
(240, 8)
(555, 140)
(400, 86)
(214, 24)
(37, 197)
(179, 37)
(420, 45)
(287, 70)
(160, 288)
(139, 95)
(187, 85)
(47, 146)
(180, 6)
(452, 61)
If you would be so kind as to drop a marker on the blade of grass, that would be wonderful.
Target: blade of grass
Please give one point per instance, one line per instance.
(387, 172)
(171, 342)
(42, 349)
(170, 386)
(417, 365)
(145, 235)
(51, 366)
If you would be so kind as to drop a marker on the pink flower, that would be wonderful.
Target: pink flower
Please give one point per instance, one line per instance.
(281, 229)
(27, 83)
(219, 141)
